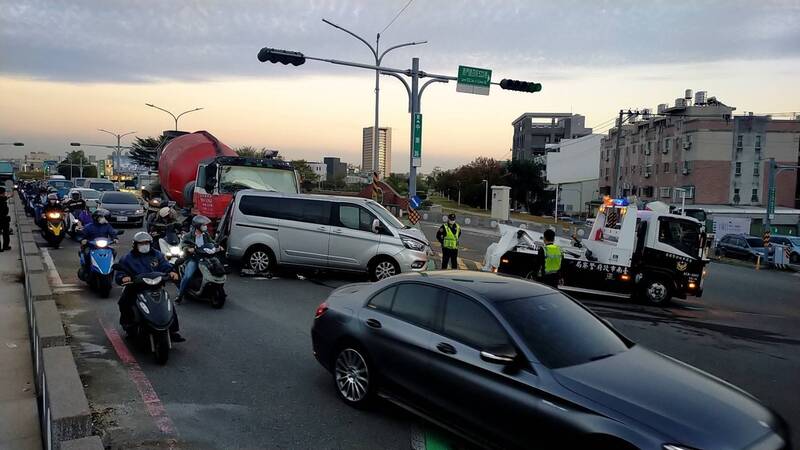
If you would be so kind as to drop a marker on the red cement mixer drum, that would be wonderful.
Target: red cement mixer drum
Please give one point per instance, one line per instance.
(178, 163)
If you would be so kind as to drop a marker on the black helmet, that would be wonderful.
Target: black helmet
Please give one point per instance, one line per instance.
(199, 220)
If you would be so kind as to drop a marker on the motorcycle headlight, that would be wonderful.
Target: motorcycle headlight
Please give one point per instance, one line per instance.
(101, 243)
(175, 250)
(413, 244)
(152, 281)
(54, 215)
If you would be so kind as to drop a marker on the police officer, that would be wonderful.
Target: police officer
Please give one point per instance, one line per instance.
(550, 257)
(448, 236)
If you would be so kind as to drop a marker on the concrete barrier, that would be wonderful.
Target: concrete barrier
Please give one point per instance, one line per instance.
(66, 411)
(65, 418)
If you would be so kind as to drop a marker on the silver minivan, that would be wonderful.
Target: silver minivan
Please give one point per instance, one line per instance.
(266, 228)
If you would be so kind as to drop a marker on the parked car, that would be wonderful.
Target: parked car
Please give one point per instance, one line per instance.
(90, 196)
(267, 228)
(792, 243)
(742, 246)
(510, 363)
(99, 184)
(124, 207)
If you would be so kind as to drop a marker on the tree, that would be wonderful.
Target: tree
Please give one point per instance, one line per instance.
(308, 179)
(144, 151)
(398, 182)
(248, 151)
(527, 182)
(70, 167)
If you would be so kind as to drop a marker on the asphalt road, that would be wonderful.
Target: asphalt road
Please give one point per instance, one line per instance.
(246, 377)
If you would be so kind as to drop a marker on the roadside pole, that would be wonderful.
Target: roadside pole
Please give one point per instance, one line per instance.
(774, 170)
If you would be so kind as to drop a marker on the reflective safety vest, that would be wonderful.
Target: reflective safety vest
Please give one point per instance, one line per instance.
(450, 239)
(552, 258)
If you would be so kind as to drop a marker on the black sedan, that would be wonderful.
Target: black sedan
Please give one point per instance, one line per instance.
(124, 207)
(510, 363)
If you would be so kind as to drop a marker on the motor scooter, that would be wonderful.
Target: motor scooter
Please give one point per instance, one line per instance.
(53, 227)
(169, 242)
(98, 272)
(208, 281)
(153, 312)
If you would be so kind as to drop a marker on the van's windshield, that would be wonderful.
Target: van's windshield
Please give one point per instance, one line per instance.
(385, 215)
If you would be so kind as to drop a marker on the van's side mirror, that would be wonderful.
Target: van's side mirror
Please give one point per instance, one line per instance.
(376, 226)
(503, 355)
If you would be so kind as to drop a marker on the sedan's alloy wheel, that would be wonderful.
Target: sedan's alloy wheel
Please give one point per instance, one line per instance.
(352, 375)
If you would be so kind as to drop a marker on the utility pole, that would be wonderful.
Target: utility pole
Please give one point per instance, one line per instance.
(118, 152)
(615, 191)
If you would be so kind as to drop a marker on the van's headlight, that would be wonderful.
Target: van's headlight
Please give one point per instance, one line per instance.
(413, 244)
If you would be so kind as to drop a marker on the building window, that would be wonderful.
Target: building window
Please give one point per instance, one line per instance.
(739, 142)
(756, 165)
(633, 170)
(667, 145)
(666, 167)
(754, 196)
(689, 191)
(686, 167)
(735, 195)
(738, 171)
(664, 192)
(758, 142)
(607, 169)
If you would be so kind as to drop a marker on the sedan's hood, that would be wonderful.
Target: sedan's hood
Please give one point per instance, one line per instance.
(414, 233)
(121, 206)
(685, 404)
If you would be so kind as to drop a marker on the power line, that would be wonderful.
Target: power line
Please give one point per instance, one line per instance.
(396, 16)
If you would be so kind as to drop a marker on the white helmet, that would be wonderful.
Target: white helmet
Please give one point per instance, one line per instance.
(164, 212)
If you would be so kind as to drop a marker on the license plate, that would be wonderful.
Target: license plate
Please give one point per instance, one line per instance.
(122, 219)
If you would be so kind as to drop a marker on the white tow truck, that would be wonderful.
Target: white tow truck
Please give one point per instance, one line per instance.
(648, 254)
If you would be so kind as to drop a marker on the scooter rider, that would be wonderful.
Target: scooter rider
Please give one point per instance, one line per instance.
(75, 203)
(143, 258)
(50, 206)
(162, 220)
(196, 237)
(99, 228)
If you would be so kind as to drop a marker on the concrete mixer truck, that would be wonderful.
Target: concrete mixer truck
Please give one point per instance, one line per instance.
(198, 172)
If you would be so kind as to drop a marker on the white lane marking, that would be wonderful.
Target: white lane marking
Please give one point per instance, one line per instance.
(52, 272)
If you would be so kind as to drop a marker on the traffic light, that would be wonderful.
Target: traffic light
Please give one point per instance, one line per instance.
(275, 55)
(522, 86)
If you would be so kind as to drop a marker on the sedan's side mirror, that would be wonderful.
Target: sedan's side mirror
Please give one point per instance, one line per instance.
(376, 226)
(503, 355)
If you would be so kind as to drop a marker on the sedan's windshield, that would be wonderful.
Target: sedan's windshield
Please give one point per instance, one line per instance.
(102, 186)
(235, 178)
(60, 184)
(755, 242)
(559, 331)
(385, 215)
(120, 198)
(90, 195)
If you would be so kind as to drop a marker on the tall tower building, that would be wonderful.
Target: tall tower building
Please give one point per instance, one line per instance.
(384, 151)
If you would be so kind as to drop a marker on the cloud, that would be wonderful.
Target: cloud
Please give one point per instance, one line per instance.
(148, 40)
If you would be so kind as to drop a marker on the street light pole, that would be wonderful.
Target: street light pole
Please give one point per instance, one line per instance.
(173, 115)
(486, 196)
(378, 58)
(118, 151)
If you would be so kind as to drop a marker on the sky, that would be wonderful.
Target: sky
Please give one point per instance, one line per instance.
(69, 68)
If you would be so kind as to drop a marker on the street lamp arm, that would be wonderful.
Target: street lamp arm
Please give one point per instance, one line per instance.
(422, 89)
(380, 58)
(123, 135)
(372, 49)
(187, 112)
(162, 109)
(405, 83)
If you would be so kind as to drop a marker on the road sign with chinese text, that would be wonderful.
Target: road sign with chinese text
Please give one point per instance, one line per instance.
(473, 80)
(416, 151)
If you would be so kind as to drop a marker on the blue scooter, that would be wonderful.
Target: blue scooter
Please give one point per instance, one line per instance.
(100, 273)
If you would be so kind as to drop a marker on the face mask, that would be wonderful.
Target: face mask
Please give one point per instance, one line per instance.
(102, 220)
(451, 222)
(143, 248)
(203, 228)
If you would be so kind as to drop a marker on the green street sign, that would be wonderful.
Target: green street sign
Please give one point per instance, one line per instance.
(101, 168)
(771, 203)
(473, 80)
(416, 151)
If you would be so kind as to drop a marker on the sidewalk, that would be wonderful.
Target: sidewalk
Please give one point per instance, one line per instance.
(19, 417)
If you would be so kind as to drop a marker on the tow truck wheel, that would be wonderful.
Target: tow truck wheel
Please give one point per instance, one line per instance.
(656, 291)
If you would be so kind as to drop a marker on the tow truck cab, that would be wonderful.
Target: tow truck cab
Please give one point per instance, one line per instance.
(648, 254)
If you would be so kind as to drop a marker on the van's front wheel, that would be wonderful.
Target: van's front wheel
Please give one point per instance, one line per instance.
(259, 259)
(383, 268)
